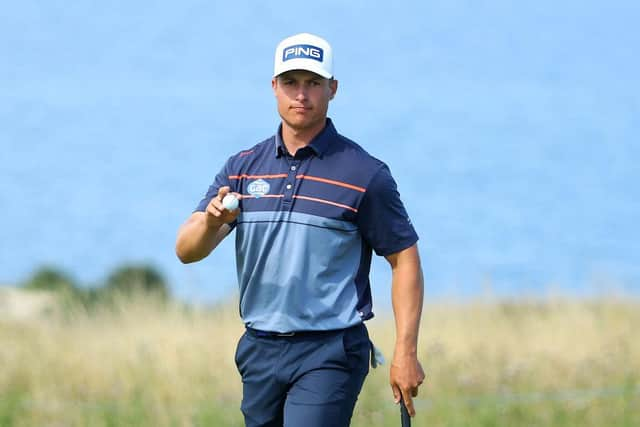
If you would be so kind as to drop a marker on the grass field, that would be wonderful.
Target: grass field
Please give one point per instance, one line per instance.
(556, 362)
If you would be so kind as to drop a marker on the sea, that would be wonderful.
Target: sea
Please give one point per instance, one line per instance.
(515, 150)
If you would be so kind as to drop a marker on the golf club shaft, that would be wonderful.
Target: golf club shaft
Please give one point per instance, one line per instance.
(404, 414)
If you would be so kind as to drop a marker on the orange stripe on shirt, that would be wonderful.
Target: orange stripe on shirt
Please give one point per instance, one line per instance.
(266, 196)
(331, 181)
(281, 175)
(328, 202)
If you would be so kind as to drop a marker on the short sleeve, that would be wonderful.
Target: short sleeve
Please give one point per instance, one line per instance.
(382, 218)
(221, 179)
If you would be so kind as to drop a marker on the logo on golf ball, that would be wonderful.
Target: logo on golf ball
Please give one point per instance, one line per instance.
(258, 188)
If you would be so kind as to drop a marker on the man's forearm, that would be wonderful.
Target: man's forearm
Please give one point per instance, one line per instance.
(202, 232)
(407, 298)
(197, 238)
(406, 373)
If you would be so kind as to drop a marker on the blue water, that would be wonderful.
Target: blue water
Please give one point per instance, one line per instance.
(511, 130)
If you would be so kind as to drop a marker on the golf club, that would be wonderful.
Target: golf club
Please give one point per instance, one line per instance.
(404, 414)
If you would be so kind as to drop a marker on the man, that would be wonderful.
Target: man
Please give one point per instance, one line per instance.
(313, 205)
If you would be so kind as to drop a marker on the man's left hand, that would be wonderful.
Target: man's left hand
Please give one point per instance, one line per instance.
(406, 376)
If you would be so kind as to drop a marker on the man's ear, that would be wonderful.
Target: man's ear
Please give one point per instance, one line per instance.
(333, 87)
(274, 84)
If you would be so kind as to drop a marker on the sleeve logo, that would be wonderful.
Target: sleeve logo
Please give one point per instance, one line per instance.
(258, 188)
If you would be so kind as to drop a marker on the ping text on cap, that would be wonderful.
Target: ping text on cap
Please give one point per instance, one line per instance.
(302, 51)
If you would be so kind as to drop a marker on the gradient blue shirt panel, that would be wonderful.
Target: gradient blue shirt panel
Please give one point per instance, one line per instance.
(307, 228)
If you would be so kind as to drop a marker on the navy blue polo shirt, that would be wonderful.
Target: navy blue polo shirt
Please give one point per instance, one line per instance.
(307, 228)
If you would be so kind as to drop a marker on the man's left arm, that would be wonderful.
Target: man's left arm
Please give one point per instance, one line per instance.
(407, 295)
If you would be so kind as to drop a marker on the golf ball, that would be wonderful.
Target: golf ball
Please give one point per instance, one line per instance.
(230, 202)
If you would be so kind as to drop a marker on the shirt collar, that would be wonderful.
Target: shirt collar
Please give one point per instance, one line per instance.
(318, 144)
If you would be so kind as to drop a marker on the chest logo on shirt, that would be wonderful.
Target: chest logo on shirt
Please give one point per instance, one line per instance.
(258, 188)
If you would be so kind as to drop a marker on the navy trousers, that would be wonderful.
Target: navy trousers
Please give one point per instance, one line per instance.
(306, 380)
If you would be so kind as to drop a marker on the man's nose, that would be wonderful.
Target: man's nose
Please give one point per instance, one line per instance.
(302, 93)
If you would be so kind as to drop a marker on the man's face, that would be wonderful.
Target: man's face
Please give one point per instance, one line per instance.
(303, 98)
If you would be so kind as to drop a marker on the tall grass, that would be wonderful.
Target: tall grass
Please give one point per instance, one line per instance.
(142, 362)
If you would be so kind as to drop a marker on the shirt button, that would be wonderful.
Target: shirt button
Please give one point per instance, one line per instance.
(293, 168)
(288, 186)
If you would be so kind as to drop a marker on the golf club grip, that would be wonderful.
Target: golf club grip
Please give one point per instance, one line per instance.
(404, 414)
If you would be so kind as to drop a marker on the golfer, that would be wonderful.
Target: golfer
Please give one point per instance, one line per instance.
(313, 207)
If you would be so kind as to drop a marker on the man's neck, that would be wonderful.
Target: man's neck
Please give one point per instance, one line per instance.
(295, 139)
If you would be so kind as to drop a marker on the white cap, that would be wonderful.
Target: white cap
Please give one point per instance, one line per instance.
(304, 51)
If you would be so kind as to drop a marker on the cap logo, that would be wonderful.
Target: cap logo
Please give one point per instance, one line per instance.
(302, 51)
(258, 188)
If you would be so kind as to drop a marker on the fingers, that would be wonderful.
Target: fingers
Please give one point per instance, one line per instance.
(408, 402)
(405, 382)
(223, 191)
(396, 393)
(217, 211)
(406, 394)
(215, 207)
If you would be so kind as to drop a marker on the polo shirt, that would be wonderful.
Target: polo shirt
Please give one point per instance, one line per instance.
(306, 230)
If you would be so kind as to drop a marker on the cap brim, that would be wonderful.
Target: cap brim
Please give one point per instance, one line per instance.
(316, 70)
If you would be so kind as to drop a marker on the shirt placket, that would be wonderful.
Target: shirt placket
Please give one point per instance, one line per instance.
(290, 185)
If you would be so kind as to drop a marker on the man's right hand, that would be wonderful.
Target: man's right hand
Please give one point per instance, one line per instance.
(218, 214)
(203, 231)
